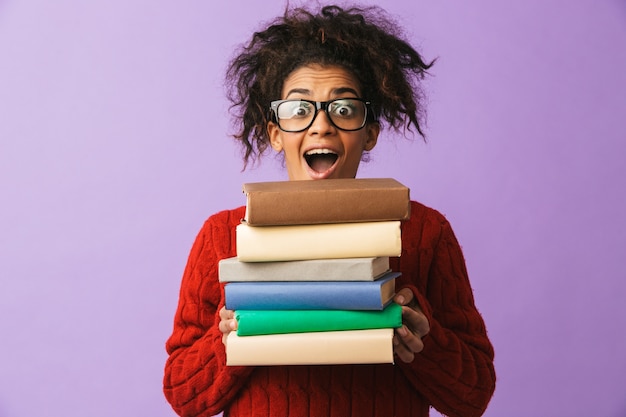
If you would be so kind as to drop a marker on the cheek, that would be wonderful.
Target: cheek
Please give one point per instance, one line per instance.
(291, 150)
(353, 157)
(355, 145)
(291, 146)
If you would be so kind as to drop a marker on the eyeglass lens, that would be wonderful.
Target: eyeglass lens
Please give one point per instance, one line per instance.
(345, 113)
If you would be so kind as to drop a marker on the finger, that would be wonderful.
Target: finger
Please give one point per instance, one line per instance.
(415, 320)
(412, 341)
(403, 297)
(227, 325)
(407, 336)
(226, 314)
(402, 351)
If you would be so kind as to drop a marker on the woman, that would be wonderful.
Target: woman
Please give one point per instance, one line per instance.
(317, 88)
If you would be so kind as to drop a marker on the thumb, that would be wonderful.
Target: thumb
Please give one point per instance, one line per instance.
(403, 297)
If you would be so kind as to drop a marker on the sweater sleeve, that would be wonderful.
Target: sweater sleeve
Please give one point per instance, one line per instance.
(197, 381)
(455, 371)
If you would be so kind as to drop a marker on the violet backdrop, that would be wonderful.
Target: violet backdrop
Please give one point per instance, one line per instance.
(114, 149)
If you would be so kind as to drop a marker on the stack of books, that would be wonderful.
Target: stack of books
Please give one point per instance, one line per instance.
(311, 283)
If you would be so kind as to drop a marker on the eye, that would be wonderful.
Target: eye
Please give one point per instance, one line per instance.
(294, 109)
(343, 108)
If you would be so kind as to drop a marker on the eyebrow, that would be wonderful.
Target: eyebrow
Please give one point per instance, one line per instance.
(336, 91)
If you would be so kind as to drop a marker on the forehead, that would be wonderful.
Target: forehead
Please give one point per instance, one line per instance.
(320, 80)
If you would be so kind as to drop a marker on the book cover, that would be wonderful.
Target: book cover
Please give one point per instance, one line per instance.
(328, 201)
(342, 269)
(311, 295)
(258, 322)
(316, 348)
(319, 241)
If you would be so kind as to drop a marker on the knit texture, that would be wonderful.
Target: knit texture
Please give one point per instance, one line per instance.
(454, 373)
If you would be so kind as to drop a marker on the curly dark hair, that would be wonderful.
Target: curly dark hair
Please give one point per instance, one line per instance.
(365, 41)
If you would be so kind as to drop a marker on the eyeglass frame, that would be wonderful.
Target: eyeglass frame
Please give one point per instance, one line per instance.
(319, 105)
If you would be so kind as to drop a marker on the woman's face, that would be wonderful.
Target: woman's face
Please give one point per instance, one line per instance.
(322, 151)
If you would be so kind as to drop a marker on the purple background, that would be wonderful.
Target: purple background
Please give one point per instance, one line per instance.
(113, 150)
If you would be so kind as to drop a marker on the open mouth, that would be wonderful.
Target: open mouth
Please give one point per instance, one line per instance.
(320, 160)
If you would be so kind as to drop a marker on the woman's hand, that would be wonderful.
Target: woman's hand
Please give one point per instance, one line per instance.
(407, 340)
(228, 323)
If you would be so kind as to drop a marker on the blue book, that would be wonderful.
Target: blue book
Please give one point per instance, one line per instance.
(311, 295)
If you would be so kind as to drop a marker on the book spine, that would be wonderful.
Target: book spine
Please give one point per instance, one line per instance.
(343, 269)
(316, 348)
(259, 322)
(311, 295)
(324, 241)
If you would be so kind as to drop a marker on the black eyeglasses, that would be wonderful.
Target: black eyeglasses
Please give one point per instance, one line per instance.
(298, 115)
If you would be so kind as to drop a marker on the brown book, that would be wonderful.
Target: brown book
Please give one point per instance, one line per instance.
(345, 200)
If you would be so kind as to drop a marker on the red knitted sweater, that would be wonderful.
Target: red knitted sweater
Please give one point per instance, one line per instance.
(454, 373)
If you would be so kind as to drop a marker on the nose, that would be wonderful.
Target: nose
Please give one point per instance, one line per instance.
(321, 124)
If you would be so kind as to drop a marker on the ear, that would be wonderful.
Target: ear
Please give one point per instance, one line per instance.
(372, 131)
(275, 136)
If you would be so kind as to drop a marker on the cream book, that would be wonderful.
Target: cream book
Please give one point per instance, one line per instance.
(316, 348)
(343, 269)
(319, 241)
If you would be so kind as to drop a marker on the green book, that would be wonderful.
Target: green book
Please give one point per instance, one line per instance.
(260, 322)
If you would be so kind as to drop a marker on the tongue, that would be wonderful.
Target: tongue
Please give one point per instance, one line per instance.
(321, 163)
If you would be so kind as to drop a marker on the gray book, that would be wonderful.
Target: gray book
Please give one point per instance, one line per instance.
(342, 269)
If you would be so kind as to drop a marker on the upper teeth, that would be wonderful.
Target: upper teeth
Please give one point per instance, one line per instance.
(318, 151)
